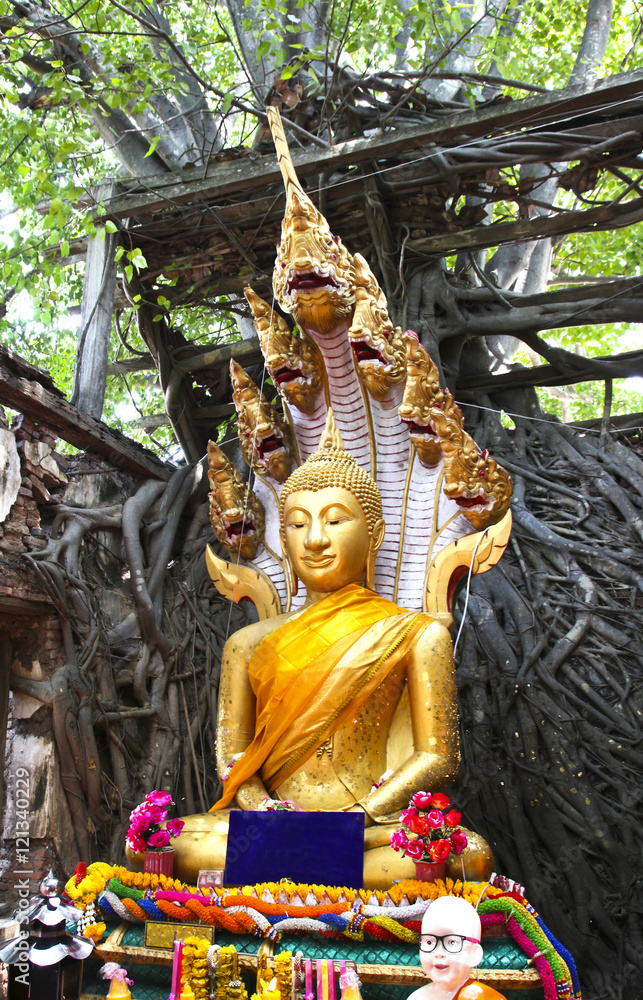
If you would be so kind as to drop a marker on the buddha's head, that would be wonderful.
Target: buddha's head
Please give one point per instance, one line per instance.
(450, 941)
(331, 518)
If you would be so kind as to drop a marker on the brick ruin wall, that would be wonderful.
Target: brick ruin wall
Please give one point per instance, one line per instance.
(31, 648)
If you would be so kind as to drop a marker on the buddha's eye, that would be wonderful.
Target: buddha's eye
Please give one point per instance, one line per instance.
(337, 518)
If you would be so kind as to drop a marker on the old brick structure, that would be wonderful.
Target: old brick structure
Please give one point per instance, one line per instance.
(36, 825)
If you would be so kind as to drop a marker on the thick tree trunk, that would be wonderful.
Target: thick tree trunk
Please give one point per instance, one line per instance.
(96, 311)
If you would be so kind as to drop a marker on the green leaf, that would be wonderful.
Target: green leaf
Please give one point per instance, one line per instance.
(154, 143)
(111, 227)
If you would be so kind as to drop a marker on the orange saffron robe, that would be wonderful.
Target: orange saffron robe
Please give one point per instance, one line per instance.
(473, 990)
(312, 672)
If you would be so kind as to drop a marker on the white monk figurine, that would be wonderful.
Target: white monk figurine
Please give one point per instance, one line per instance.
(449, 949)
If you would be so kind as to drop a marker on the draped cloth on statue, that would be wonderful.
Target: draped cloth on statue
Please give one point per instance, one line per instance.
(473, 990)
(312, 672)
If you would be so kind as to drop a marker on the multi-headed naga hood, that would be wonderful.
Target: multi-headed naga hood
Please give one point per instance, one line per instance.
(292, 359)
(314, 276)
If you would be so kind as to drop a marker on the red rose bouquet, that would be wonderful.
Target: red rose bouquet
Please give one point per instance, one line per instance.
(434, 825)
(145, 831)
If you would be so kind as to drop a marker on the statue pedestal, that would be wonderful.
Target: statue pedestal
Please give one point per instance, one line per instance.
(387, 970)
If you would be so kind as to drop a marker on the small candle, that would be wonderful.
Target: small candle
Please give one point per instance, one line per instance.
(320, 986)
(309, 978)
(331, 979)
(325, 986)
(177, 969)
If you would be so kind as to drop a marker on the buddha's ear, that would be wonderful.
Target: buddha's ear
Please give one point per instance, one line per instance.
(293, 579)
(377, 535)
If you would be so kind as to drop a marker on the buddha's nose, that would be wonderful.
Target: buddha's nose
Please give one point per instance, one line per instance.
(317, 539)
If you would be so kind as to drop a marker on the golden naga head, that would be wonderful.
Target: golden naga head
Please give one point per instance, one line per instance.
(378, 346)
(422, 394)
(236, 514)
(313, 277)
(293, 360)
(264, 436)
(475, 481)
(331, 465)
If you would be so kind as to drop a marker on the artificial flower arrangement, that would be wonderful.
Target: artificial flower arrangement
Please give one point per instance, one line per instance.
(233, 760)
(434, 825)
(278, 805)
(145, 831)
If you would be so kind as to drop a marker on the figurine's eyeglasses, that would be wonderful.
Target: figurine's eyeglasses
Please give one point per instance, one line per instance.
(450, 942)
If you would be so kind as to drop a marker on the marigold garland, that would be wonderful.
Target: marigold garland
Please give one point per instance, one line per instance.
(99, 874)
(195, 966)
(95, 931)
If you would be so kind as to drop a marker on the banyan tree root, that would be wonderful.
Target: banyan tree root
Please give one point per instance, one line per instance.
(143, 631)
(549, 673)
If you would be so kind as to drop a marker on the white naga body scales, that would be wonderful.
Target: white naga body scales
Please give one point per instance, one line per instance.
(445, 503)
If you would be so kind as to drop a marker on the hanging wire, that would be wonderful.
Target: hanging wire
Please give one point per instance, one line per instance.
(466, 602)
(541, 420)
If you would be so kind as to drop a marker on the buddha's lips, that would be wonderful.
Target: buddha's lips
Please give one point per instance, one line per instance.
(310, 281)
(269, 444)
(480, 501)
(422, 430)
(364, 352)
(285, 375)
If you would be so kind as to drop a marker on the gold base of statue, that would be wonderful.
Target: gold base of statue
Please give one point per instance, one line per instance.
(203, 841)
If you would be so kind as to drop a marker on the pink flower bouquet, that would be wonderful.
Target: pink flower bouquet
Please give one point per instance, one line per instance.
(146, 832)
(434, 825)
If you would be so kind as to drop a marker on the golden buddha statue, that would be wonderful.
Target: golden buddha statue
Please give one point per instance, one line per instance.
(322, 701)
(338, 698)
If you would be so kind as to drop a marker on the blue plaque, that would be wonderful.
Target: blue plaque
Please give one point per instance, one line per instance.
(324, 848)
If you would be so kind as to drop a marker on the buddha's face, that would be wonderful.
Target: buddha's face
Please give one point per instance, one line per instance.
(326, 537)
